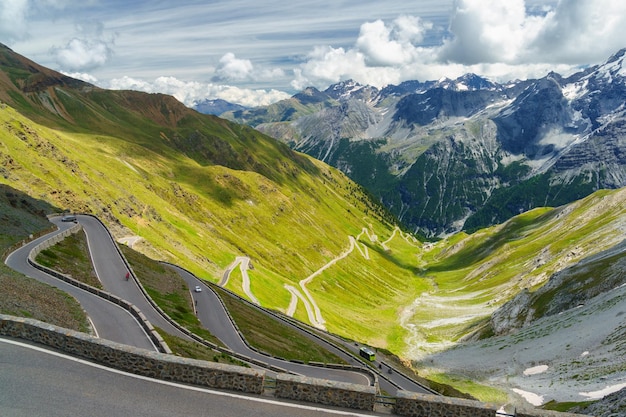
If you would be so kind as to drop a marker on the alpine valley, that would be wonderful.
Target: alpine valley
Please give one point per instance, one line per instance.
(451, 155)
(533, 302)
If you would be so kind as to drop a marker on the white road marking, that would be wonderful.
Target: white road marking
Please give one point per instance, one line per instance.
(182, 386)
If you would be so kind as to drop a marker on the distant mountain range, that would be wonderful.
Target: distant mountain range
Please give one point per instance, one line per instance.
(217, 106)
(452, 155)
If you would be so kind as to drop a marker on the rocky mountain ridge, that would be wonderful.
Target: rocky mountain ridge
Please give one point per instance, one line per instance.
(452, 155)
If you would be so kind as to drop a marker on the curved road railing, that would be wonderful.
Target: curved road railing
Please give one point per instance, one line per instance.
(372, 374)
(134, 310)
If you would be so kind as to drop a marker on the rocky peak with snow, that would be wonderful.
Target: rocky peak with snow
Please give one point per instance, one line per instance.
(447, 155)
(351, 90)
(311, 95)
(468, 82)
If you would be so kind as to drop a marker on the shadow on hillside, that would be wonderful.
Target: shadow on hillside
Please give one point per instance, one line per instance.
(21, 215)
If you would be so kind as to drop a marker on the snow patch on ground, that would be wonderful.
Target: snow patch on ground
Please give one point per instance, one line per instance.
(536, 370)
(530, 397)
(610, 389)
(574, 91)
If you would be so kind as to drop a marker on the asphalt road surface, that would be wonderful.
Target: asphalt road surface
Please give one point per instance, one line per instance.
(109, 320)
(114, 323)
(40, 383)
(111, 270)
(213, 317)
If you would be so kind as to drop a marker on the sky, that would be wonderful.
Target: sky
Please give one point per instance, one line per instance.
(253, 52)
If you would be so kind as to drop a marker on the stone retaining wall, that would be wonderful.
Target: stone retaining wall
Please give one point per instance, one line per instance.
(134, 360)
(321, 391)
(230, 377)
(428, 405)
(546, 413)
(132, 309)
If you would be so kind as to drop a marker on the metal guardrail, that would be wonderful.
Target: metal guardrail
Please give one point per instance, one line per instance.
(365, 369)
(385, 400)
(372, 374)
(23, 242)
(184, 330)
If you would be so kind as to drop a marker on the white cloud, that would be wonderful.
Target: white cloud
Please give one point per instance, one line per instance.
(82, 76)
(577, 31)
(190, 93)
(82, 54)
(232, 68)
(330, 65)
(375, 43)
(15, 16)
(391, 45)
(503, 40)
(486, 31)
(271, 74)
(249, 97)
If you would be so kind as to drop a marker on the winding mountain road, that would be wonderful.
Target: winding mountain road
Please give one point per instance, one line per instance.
(116, 324)
(109, 320)
(214, 318)
(111, 271)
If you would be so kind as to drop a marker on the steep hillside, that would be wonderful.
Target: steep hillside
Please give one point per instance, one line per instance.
(560, 338)
(462, 154)
(563, 342)
(473, 275)
(200, 191)
(569, 288)
(20, 217)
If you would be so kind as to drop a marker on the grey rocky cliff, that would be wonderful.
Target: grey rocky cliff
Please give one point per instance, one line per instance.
(568, 288)
(461, 154)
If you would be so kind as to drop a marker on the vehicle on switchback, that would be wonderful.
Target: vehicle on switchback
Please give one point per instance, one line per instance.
(367, 353)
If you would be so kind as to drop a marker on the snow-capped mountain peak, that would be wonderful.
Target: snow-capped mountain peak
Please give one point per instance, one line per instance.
(350, 89)
(463, 153)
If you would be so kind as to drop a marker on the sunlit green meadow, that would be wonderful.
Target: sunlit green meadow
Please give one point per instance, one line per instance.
(293, 216)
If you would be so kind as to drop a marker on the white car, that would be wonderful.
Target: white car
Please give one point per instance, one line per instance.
(197, 289)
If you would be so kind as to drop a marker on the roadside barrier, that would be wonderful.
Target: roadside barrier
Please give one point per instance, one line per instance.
(134, 311)
(231, 377)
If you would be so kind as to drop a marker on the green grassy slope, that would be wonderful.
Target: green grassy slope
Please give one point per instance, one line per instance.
(202, 217)
(474, 274)
(20, 217)
(200, 191)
